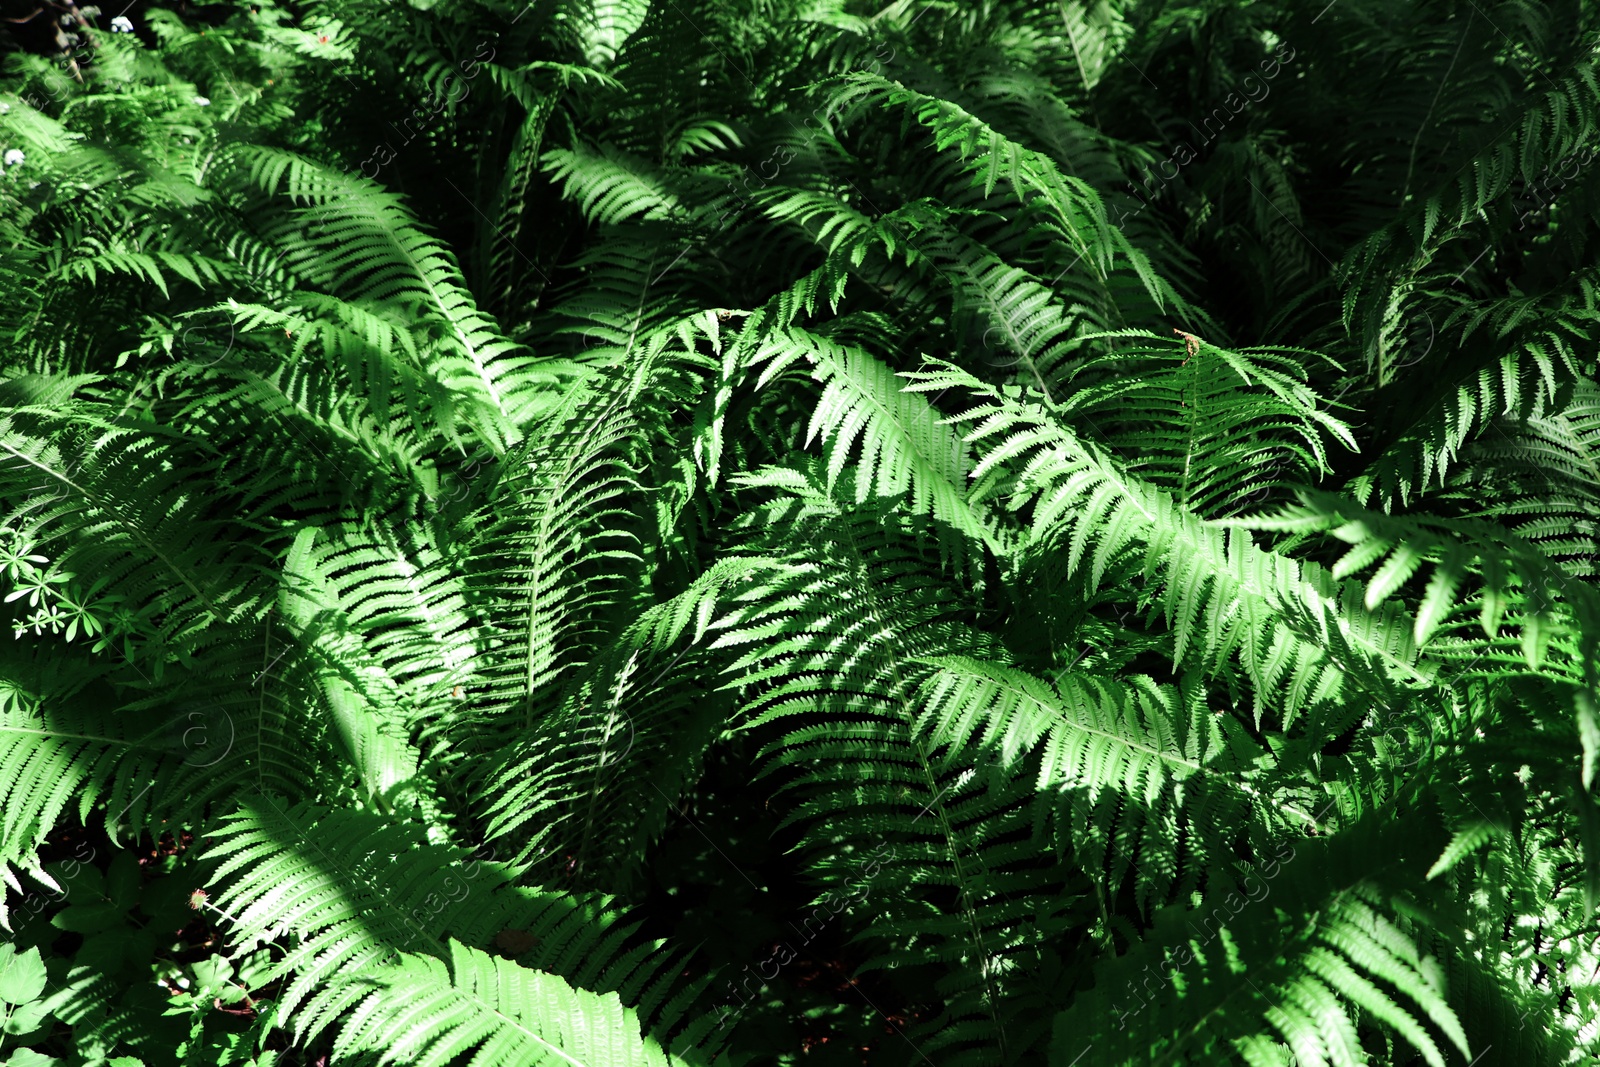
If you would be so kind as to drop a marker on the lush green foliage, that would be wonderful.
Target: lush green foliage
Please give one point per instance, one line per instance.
(685, 531)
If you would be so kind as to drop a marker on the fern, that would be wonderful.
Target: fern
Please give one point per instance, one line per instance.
(615, 531)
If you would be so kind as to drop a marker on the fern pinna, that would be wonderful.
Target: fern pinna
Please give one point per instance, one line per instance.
(629, 532)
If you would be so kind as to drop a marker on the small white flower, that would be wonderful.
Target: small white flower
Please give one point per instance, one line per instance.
(4, 108)
(122, 24)
(202, 101)
(14, 157)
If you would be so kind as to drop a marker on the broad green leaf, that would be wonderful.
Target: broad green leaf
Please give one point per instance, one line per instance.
(22, 975)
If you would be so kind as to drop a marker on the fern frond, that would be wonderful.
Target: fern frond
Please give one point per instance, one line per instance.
(1148, 780)
(1289, 626)
(585, 784)
(1212, 426)
(353, 238)
(1074, 208)
(362, 890)
(1347, 954)
(431, 1010)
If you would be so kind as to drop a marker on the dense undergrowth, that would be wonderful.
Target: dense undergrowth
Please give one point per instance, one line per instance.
(791, 532)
